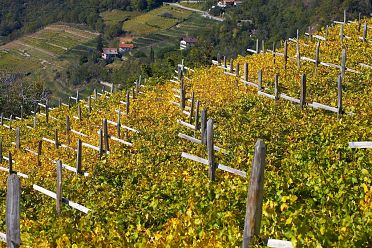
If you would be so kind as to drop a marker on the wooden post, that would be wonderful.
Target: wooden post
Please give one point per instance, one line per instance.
(18, 138)
(68, 129)
(255, 194)
(310, 34)
(78, 157)
(10, 121)
(105, 135)
(246, 72)
(273, 52)
(359, 16)
(182, 95)
(339, 97)
(192, 107)
(210, 149)
(34, 121)
(263, 46)
(39, 149)
(13, 196)
(100, 143)
(197, 116)
(59, 102)
(1, 119)
(237, 69)
(276, 87)
(133, 93)
(285, 54)
(365, 32)
(89, 104)
(224, 62)
(95, 94)
(119, 123)
(127, 105)
(138, 87)
(59, 187)
(297, 35)
(303, 91)
(259, 80)
(231, 65)
(21, 111)
(203, 127)
(343, 63)
(112, 88)
(257, 47)
(345, 20)
(56, 143)
(341, 32)
(1, 151)
(10, 162)
(317, 54)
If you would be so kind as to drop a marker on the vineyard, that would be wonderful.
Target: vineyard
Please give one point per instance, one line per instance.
(134, 189)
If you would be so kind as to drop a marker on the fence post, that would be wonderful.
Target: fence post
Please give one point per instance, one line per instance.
(10, 121)
(127, 105)
(343, 63)
(95, 94)
(68, 129)
(298, 55)
(317, 54)
(192, 106)
(78, 157)
(237, 70)
(197, 116)
(218, 58)
(56, 143)
(259, 80)
(69, 102)
(255, 194)
(339, 96)
(59, 102)
(1, 119)
(341, 32)
(34, 124)
(77, 96)
(263, 46)
(273, 52)
(59, 187)
(210, 149)
(118, 126)
(246, 72)
(303, 91)
(257, 47)
(105, 135)
(276, 87)
(182, 95)
(224, 63)
(13, 195)
(231, 65)
(18, 138)
(21, 111)
(203, 127)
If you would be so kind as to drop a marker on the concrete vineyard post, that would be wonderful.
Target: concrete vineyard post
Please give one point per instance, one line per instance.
(317, 53)
(246, 72)
(231, 65)
(18, 138)
(105, 135)
(298, 55)
(119, 123)
(10, 162)
(39, 149)
(237, 69)
(263, 46)
(203, 126)
(276, 82)
(46, 111)
(197, 115)
(79, 112)
(255, 194)
(56, 144)
(210, 149)
(285, 54)
(34, 123)
(259, 80)
(192, 106)
(59, 187)
(100, 143)
(89, 104)
(339, 96)
(68, 129)
(78, 157)
(343, 63)
(273, 52)
(257, 47)
(365, 32)
(127, 105)
(13, 196)
(303, 91)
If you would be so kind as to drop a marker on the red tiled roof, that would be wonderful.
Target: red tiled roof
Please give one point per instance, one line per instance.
(130, 46)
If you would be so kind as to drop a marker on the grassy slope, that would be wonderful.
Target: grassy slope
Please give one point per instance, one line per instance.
(317, 191)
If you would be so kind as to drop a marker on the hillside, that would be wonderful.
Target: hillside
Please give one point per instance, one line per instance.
(317, 191)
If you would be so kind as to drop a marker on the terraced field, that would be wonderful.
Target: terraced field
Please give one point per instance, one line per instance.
(158, 19)
(116, 16)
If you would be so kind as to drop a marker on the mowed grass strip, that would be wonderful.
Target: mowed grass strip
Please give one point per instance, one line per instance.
(115, 16)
